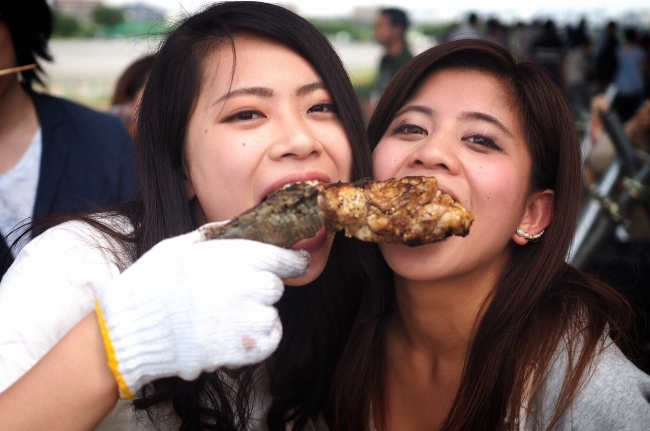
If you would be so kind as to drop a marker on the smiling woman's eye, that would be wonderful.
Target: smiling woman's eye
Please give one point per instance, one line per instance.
(244, 116)
(483, 141)
(409, 129)
(323, 107)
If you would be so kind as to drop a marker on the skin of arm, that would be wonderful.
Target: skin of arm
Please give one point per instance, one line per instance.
(49, 397)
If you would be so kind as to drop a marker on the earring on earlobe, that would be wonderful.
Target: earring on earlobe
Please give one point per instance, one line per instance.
(528, 236)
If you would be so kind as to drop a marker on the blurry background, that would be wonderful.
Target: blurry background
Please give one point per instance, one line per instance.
(96, 40)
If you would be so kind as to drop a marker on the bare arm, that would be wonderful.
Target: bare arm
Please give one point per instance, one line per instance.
(70, 388)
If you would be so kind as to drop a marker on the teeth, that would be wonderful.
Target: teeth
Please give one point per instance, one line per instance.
(310, 182)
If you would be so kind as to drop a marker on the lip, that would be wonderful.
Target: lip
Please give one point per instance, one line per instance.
(312, 244)
(293, 178)
(444, 191)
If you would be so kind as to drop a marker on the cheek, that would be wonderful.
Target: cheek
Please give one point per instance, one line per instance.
(339, 150)
(384, 162)
(341, 156)
(218, 179)
(502, 197)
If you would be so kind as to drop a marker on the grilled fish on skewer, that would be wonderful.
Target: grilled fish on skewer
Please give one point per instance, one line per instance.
(410, 210)
(283, 218)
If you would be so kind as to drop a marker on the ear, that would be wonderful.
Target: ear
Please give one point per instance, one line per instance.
(537, 216)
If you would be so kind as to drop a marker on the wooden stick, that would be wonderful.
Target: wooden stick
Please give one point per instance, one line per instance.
(17, 69)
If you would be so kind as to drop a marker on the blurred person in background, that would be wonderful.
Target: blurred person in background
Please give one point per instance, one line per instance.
(605, 60)
(390, 32)
(469, 30)
(526, 35)
(55, 156)
(548, 50)
(578, 69)
(128, 91)
(632, 63)
(496, 32)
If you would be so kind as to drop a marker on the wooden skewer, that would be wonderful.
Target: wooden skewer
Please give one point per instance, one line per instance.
(17, 69)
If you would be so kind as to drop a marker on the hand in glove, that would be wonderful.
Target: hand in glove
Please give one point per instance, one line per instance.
(189, 305)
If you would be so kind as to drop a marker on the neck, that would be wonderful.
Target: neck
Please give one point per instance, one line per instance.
(427, 342)
(438, 319)
(14, 101)
(18, 119)
(395, 47)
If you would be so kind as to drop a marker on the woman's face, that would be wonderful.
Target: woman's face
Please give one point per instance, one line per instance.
(7, 56)
(270, 123)
(460, 128)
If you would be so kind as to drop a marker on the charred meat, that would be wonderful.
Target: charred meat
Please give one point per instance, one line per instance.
(410, 210)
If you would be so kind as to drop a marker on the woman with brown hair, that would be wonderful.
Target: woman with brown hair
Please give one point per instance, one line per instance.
(493, 331)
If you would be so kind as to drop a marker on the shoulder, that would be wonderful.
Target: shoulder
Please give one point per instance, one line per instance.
(74, 247)
(72, 108)
(51, 285)
(614, 393)
(78, 119)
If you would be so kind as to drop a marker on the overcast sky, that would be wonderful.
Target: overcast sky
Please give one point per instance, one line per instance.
(443, 9)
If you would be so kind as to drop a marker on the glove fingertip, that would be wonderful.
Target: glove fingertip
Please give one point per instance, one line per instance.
(294, 264)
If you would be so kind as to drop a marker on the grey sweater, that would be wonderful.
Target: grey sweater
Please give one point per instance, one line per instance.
(614, 396)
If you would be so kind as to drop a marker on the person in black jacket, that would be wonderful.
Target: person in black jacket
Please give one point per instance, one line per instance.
(606, 62)
(55, 156)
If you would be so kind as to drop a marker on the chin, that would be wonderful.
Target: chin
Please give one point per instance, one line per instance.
(413, 263)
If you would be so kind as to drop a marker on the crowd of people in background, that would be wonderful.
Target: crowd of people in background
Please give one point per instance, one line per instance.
(582, 60)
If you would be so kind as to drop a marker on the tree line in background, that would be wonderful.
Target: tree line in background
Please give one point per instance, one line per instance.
(110, 21)
(104, 21)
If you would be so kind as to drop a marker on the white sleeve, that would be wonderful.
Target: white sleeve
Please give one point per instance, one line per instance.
(49, 288)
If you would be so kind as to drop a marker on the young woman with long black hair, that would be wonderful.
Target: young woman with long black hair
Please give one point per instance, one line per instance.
(243, 98)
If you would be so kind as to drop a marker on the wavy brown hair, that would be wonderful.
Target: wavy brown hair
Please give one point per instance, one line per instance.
(539, 301)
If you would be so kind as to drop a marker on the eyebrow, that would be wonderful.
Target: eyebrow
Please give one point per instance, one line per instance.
(486, 117)
(310, 88)
(414, 108)
(267, 92)
(246, 91)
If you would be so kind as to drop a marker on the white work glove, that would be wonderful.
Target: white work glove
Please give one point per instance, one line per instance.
(190, 305)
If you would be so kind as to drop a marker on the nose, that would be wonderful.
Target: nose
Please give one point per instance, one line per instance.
(294, 138)
(438, 152)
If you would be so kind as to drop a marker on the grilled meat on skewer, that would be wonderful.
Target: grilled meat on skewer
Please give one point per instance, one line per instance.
(410, 210)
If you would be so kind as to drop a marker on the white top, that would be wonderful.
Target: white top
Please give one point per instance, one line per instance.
(50, 287)
(18, 191)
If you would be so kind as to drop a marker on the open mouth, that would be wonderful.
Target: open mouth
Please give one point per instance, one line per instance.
(308, 177)
(286, 186)
(312, 244)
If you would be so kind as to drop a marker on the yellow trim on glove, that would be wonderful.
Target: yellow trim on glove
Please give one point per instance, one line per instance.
(113, 364)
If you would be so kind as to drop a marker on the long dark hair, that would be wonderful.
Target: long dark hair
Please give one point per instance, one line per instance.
(316, 318)
(30, 25)
(537, 286)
